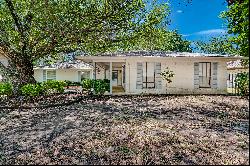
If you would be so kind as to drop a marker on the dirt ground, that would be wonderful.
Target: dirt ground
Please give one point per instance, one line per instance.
(129, 130)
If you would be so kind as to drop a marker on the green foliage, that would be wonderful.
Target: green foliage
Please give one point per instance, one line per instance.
(71, 83)
(242, 83)
(48, 87)
(107, 84)
(217, 45)
(32, 90)
(53, 86)
(167, 75)
(87, 84)
(6, 89)
(34, 29)
(159, 39)
(237, 17)
(99, 86)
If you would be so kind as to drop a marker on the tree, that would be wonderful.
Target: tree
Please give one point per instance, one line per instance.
(217, 45)
(32, 29)
(160, 39)
(237, 17)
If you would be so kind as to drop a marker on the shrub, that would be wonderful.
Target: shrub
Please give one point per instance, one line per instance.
(242, 83)
(87, 84)
(48, 87)
(32, 90)
(53, 86)
(6, 89)
(107, 86)
(72, 83)
(99, 86)
(167, 75)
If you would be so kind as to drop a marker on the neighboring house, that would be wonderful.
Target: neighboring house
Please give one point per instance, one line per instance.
(233, 68)
(139, 72)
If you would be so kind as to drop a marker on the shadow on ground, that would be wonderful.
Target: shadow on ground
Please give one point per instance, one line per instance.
(129, 130)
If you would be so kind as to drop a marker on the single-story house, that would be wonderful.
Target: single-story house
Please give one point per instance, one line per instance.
(139, 72)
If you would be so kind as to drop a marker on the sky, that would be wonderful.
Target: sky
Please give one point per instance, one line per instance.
(198, 20)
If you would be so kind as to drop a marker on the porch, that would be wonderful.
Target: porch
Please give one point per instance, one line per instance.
(110, 69)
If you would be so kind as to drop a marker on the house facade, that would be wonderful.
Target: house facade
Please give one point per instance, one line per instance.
(74, 72)
(139, 72)
(71, 70)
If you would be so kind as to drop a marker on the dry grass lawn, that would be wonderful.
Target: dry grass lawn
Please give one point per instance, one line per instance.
(129, 130)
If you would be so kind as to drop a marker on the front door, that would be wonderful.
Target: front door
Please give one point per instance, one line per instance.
(114, 77)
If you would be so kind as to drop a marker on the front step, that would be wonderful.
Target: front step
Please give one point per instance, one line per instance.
(118, 89)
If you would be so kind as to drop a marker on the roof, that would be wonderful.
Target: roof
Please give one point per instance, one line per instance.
(67, 61)
(158, 54)
(122, 56)
(77, 64)
(236, 65)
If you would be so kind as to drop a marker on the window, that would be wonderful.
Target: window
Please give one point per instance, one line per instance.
(83, 75)
(148, 75)
(205, 75)
(49, 75)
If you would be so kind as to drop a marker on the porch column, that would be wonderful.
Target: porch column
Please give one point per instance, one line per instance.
(94, 65)
(110, 76)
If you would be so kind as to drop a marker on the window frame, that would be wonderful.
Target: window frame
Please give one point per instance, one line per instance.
(79, 74)
(45, 76)
(46, 71)
(210, 76)
(147, 82)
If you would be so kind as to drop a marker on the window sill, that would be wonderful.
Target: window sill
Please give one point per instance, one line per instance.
(205, 87)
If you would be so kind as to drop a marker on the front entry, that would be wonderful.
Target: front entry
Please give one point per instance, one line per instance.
(115, 78)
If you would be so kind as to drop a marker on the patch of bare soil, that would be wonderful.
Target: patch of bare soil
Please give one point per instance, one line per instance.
(129, 130)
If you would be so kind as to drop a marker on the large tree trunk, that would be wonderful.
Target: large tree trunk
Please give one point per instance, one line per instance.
(25, 72)
(18, 73)
(24, 75)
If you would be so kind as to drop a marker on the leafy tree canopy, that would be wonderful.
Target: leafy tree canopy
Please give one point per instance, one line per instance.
(33, 29)
(237, 17)
(160, 39)
(217, 45)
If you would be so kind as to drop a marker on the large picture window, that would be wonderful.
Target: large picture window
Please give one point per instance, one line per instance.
(205, 74)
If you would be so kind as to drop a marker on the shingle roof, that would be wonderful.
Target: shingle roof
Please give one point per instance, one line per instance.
(159, 54)
(67, 61)
(235, 64)
(76, 64)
